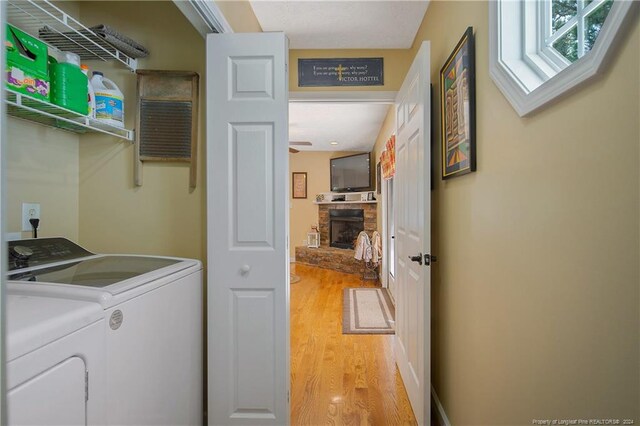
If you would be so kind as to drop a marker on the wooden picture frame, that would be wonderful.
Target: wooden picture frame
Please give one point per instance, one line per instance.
(299, 184)
(458, 109)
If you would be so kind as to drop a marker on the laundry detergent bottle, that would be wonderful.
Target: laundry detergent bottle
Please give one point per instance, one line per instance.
(91, 98)
(109, 100)
(68, 83)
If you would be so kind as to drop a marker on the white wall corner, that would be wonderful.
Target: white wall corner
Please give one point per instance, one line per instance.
(441, 416)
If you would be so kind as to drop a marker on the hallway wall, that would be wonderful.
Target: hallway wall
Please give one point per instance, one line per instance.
(536, 289)
(162, 216)
(304, 212)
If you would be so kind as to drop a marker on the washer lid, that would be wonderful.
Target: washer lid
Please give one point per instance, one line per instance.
(97, 272)
(33, 322)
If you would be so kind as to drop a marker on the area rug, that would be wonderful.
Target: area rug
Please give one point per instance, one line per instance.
(294, 279)
(367, 311)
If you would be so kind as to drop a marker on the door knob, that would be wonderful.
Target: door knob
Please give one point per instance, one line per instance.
(417, 258)
(245, 269)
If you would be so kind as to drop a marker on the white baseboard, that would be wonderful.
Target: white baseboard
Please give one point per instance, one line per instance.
(441, 416)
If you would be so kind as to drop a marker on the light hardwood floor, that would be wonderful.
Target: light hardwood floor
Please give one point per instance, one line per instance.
(339, 379)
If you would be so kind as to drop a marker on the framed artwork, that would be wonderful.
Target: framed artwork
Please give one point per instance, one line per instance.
(379, 178)
(299, 184)
(458, 109)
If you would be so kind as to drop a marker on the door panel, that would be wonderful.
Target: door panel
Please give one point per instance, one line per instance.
(413, 218)
(247, 217)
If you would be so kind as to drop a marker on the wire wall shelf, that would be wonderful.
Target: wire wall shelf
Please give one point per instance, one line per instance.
(42, 19)
(48, 114)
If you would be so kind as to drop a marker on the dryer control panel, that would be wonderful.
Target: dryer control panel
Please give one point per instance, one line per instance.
(43, 251)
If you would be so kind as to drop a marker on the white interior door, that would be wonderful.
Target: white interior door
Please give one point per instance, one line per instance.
(247, 229)
(412, 231)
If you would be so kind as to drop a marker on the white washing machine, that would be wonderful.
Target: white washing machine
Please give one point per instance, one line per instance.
(55, 361)
(153, 323)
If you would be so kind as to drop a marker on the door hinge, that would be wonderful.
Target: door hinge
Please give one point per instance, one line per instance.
(288, 397)
(86, 385)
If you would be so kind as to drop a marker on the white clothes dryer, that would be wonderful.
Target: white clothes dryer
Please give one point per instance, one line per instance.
(153, 323)
(55, 362)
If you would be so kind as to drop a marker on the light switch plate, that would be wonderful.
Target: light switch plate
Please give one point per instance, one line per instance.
(29, 211)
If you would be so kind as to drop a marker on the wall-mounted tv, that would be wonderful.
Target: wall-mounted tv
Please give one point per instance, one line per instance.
(351, 173)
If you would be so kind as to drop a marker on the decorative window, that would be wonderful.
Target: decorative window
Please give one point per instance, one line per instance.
(539, 49)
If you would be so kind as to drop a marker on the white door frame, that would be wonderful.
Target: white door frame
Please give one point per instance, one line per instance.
(386, 237)
(346, 96)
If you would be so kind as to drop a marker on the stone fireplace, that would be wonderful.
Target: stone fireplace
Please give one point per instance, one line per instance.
(369, 211)
(329, 256)
(344, 227)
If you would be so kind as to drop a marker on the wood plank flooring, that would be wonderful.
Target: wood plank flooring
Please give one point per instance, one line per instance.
(339, 379)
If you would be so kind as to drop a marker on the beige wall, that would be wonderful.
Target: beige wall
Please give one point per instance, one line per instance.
(304, 213)
(396, 64)
(42, 167)
(536, 290)
(239, 15)
(162, 216)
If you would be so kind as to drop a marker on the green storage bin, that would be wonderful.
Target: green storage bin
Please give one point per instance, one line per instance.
(27, 69)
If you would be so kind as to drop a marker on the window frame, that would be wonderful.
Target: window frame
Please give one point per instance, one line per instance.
(522, 69)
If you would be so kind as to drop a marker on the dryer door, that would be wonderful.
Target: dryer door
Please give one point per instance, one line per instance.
(54, 397)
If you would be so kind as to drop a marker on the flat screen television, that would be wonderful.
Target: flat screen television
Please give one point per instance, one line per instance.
(351, 173)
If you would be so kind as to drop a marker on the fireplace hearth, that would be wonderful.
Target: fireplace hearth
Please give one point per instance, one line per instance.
(344, 227)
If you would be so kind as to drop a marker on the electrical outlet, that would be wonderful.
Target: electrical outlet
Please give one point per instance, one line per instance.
(29, 211)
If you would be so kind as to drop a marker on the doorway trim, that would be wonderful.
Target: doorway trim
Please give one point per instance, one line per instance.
(347, 96)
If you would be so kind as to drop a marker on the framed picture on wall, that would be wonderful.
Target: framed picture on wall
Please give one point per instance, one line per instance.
(458, 109)
(299, 184)
(379, 178)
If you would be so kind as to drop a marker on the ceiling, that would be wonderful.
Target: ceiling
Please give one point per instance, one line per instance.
(354, 126)
(350, 24)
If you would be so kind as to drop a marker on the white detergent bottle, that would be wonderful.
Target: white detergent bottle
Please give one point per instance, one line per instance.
(91, 98)
(109, 100)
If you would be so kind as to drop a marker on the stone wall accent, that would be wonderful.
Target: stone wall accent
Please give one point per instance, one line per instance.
(370, 218)
(333, 258)
(336, 259)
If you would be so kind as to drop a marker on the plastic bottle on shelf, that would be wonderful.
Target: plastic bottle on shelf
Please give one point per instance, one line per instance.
(69, 84)
(109, 100)
(91, 96)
